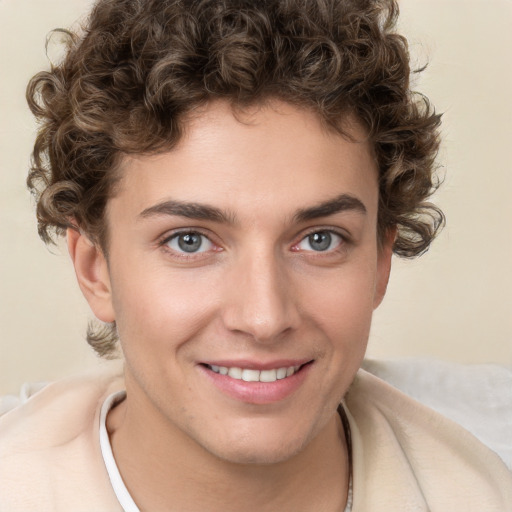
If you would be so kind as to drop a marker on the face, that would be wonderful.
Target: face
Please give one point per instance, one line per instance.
(243, 272)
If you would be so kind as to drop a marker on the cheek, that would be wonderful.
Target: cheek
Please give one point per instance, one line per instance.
(160, 307)
(342, 304)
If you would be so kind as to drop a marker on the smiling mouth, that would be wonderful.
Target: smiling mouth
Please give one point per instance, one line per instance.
(251, 375)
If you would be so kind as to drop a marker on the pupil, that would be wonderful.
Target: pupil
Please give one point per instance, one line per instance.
(320, 241)
(190, 242)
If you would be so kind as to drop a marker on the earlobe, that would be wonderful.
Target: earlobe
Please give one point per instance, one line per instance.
(384, 266)
(92, 273)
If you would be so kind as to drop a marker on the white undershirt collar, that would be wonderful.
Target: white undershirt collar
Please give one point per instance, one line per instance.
(120, 490)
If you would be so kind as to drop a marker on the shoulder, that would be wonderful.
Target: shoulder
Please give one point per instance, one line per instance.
(50, 445)
(57, 413)
(406, 453)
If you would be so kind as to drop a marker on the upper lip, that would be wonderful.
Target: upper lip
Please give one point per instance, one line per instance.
(251, 364)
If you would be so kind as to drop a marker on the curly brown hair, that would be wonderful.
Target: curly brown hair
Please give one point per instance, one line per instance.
(128, 81)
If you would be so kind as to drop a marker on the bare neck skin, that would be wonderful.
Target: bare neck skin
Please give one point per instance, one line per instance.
(164, 470)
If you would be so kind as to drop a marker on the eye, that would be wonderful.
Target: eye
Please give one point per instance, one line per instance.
(320, 241)
(189, 242)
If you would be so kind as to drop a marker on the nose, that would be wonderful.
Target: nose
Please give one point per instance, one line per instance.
(260, 301)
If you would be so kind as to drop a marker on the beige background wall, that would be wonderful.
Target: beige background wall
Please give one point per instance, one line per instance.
(454, 303)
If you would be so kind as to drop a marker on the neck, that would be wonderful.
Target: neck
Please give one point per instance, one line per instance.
(165, 470)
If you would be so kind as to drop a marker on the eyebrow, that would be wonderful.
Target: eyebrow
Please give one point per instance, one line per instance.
(341, 203)
(200, 211)
(196, 211)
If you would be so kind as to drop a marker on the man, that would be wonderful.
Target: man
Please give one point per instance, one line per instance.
(233, 178)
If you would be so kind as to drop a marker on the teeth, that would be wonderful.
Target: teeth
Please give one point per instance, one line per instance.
(268, 375)
(249, 375)
(235, 373)
(281, 373)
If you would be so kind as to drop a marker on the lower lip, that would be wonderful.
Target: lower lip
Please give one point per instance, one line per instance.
(257, 392)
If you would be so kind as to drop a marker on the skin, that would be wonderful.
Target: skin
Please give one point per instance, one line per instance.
(258, 290)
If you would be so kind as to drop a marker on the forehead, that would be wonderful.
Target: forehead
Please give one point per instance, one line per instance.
(276, 157)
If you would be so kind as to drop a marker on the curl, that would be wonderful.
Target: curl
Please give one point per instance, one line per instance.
(139, 67)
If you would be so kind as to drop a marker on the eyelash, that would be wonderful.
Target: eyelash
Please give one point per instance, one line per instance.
(344, 240)
(163, 243)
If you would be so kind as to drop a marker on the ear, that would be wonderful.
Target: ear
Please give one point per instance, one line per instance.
(92, 273)
(385, 252)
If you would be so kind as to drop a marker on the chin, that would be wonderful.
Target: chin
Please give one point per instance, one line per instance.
(258, 455)
(262, 447)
